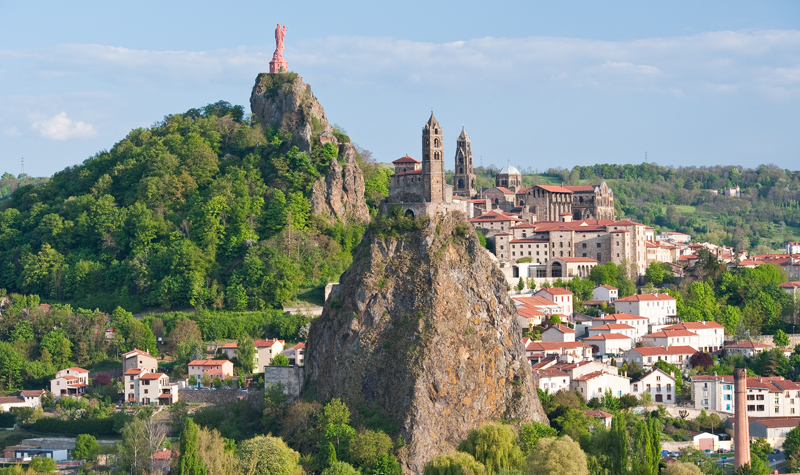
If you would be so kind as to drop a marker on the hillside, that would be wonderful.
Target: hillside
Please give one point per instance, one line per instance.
(9, 183)
(208, 208)
(677, 199)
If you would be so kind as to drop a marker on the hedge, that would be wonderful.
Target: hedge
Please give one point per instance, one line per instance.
(95, 427)
(7, 419)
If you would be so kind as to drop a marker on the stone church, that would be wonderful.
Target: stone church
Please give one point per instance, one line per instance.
(419, 187)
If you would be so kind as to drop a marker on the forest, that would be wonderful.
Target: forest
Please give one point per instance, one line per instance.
(205, 209)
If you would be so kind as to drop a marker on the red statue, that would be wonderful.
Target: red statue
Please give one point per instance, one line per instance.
(278, 64)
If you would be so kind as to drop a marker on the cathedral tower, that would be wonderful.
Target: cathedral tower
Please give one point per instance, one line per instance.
(464, 180)
(433, 180)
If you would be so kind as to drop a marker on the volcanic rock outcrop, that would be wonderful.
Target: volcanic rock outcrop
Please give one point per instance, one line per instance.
(285, 102)
(423, 327)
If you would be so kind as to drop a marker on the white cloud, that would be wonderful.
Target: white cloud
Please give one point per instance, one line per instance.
(11, 132)
(61, 127)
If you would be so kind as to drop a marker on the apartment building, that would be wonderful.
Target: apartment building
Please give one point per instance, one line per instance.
(70, 382)
(766, 396)
(659, 384)
(137, 359)
(148, 388)
(672, 337)
(647, 356)
(710, 335)
(660, 309)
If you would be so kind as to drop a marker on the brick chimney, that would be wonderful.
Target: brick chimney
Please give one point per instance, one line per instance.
(742, 430)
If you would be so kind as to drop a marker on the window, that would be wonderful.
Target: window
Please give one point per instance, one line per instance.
(751, 397)
(598, 257)
(759, 407)
(751, 407)
(776, 409)
(759, 397)
(598, 245)
(635, 388)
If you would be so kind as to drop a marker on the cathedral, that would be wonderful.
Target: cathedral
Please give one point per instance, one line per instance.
(420, 187)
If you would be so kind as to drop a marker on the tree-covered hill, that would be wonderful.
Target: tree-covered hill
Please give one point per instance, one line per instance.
(678, 199)
(9, 183)
(203, 209)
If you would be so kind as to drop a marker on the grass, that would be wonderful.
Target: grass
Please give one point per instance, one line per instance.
(682, 209)
(313, 296)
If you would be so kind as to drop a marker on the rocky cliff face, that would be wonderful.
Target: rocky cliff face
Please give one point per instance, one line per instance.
(423, 327)
(285, 101)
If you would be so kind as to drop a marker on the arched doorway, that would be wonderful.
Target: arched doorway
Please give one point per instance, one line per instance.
(576, 216)
(409, 214)
(460, 184)
(555, 270)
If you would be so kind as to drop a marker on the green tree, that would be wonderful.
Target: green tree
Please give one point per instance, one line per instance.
(792, 442)
(456, 463)
(189, 462)
(730, 318)
(340, 468)
(520, 285)
(781, 339)
(59, 346)
(11, 365)
(218, 454)
(275, 219)
(43, 273)
(246, 352)
(619, 446)
(495, 446)
(335, 424)
(205, 380)
(43, 466)
(530, 433)
(646, 447)
(280, 360)
(681, 468)
(366, 448)
(86, 448)
(265, 455)
(554, 456)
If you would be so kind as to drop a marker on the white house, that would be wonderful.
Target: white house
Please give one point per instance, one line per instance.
(552, 380)
(559, 295)
(610, 343)
(146, 388)
(671, 338)
(647, 356)
(746, 348)
(69, 382)
(606, 293)
(139, 359)
(659, 384)
(712, 392)
(558, 333)
(567, 351)
(660, 309)
(24, 399)
(791, 288)
(674, 237)
(710, 335)
(597, 383)
(265, 351)
(638, 323)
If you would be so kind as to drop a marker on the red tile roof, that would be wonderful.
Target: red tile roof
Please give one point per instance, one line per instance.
(576, 259)
(136, 351)
(554, 189)
(613, 326)
(575, 188)
(562, 328)
(607, 336)
(747, 344)
(646, 297)
(669, 350)
(693, 326)
(153, 376)
(134, 371)
(33, 392)
(551, 373)
(557, 291)
(790, 285)
(669, 334)
(609, 287)
(774, 422)
(406, 159)
(492, 217)
(230, 346)
(266, 343)
(208, 362)
(620, 316)
(77, 369)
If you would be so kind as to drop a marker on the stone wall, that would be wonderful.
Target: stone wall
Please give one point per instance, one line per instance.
(217, 396)
(291, 377)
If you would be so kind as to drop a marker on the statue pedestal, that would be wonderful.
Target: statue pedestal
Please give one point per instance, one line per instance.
(278, 65)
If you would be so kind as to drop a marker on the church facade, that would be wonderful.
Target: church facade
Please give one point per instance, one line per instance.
(420, 187)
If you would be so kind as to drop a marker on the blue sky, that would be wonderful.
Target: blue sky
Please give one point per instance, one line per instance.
(536, 84)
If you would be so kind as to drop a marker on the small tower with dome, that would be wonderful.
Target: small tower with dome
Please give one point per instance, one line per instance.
(509, 177)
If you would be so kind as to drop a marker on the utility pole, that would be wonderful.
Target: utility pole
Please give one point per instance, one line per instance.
(23, 165)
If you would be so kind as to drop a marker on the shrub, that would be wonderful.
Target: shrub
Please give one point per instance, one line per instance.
(95, 427)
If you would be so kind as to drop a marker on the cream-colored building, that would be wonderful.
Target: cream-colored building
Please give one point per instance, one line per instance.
(660, 309)
(746, 348)
(672, 337)
(558, 333)
(639, 324)
(149, 389)
(70, 382)
(618, 328)
(594, 385)
(265, 351)
(610, 343)
(605, 293)
(559, 296)
(646, 357)
(137, 359)
(710, 335)
(659, 384)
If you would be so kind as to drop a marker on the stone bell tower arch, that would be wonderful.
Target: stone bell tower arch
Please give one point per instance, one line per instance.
(433, 177)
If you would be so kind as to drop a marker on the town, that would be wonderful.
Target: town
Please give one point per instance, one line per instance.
(586, 261)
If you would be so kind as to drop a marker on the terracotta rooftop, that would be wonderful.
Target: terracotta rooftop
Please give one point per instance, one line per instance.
(553, 189)
(613, 326)
(576, 259)
(581, 187)
(747, 344)
(607, 336)
(693, 326)
(266, 343)
(669, 334)
(562, 328)
(557, 291)
(551, 373)
(669, 350)
(406, 159)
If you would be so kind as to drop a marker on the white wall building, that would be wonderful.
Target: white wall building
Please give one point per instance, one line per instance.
(610, 343)
(671, 338)
(597, 383)
(552, 380)
(558, 333)
(660, 309)
(638, 323)
(146, 388)
(710, 335)
(658, 383)
(605, 293)
(746, 348)
(69, 382)
(559, 295)
(619, 328)
(647, 356)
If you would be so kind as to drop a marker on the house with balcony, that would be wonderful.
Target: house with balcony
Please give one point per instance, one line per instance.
(70, 382)
(149, 389)
(659, 384)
